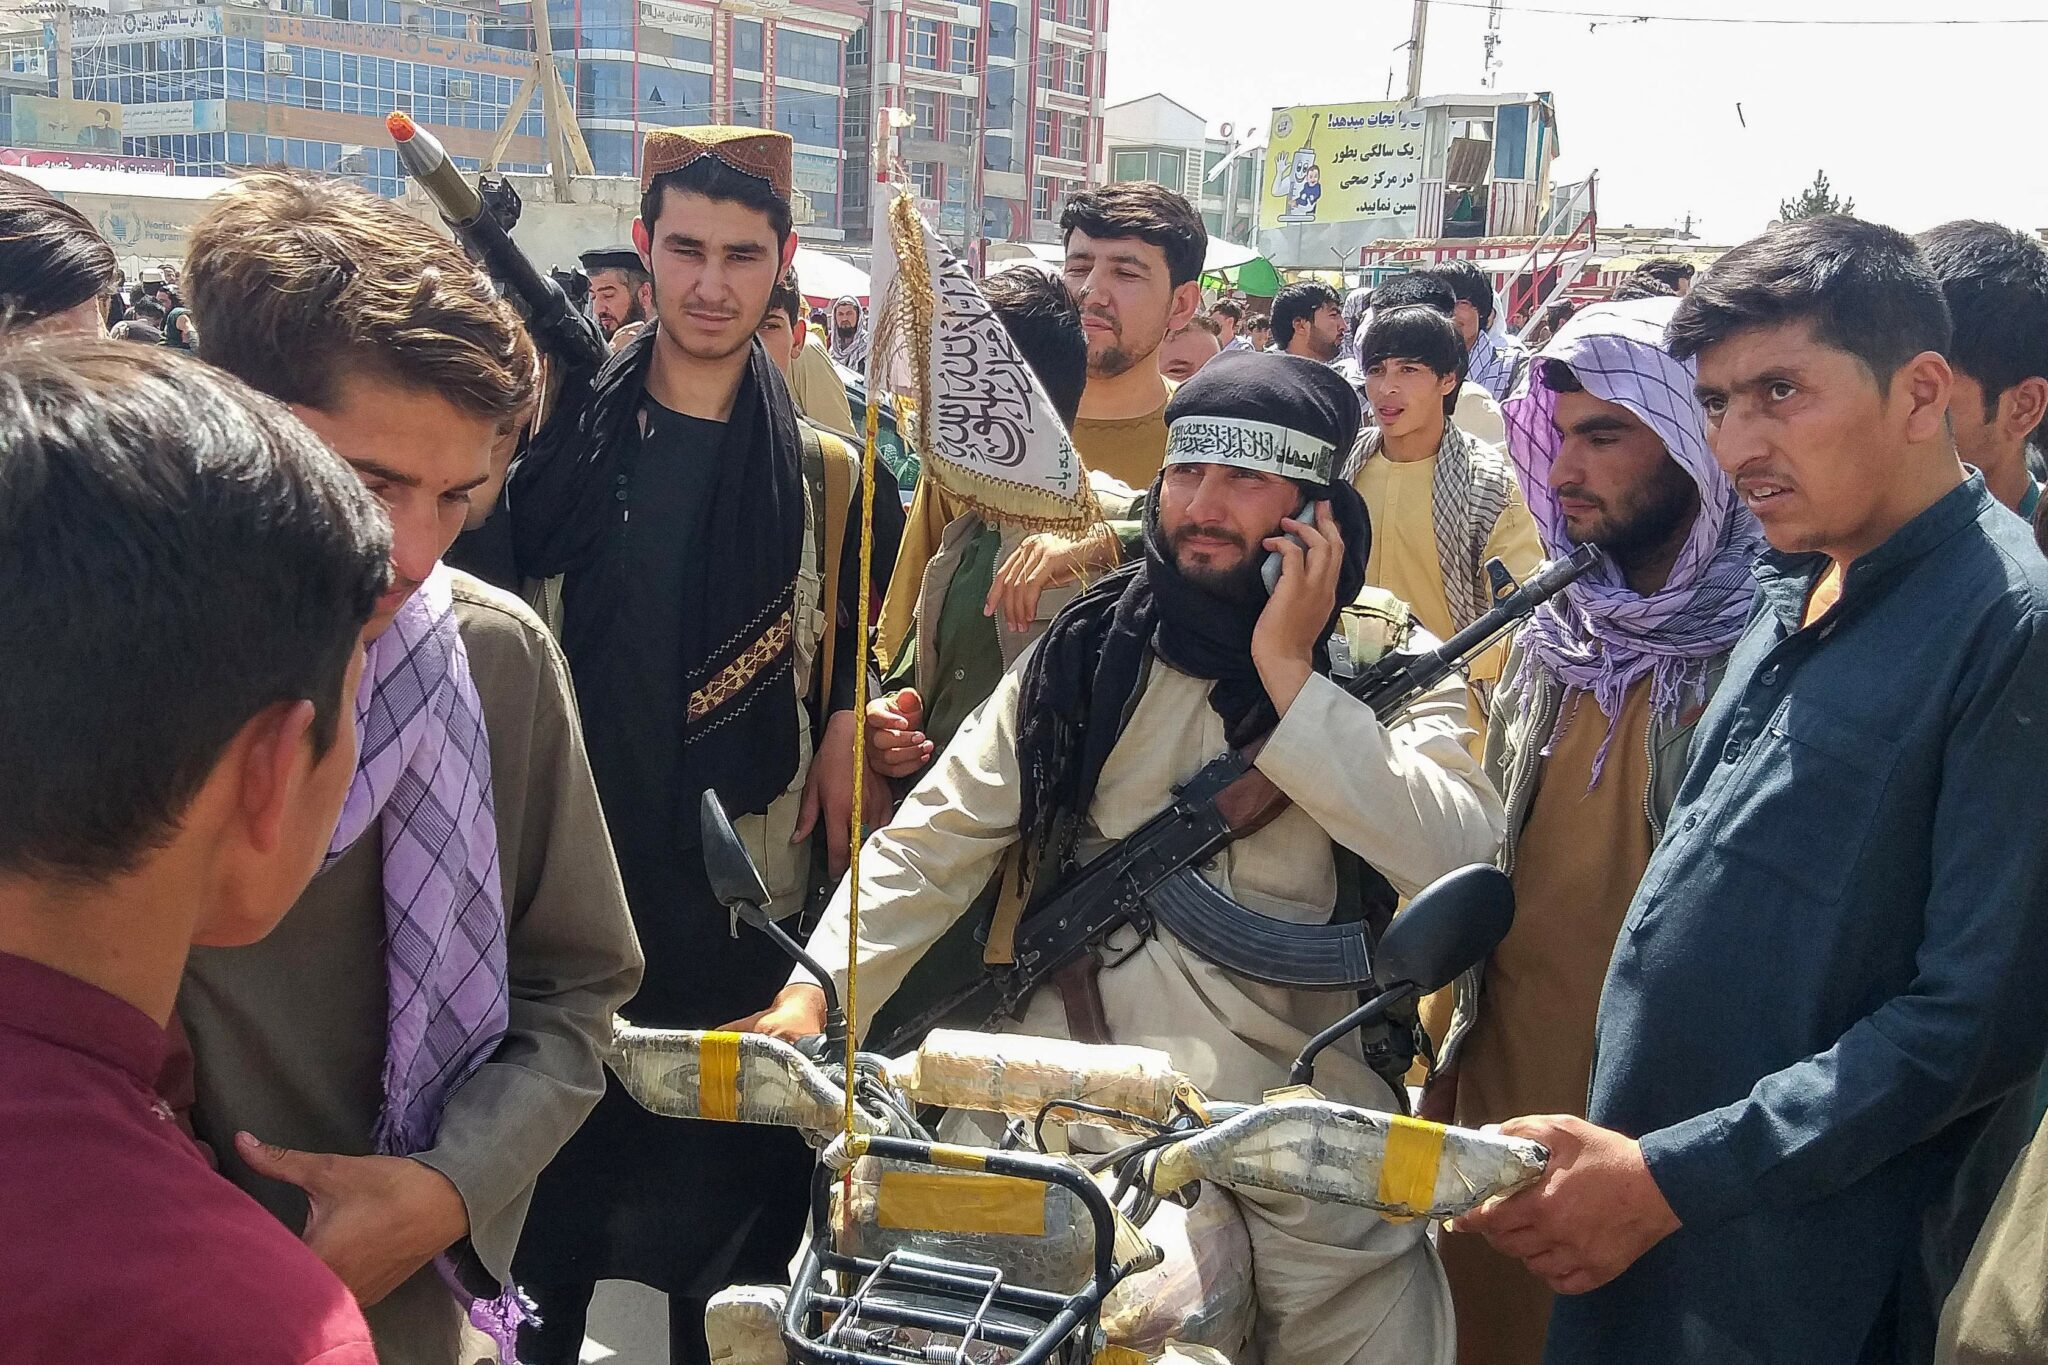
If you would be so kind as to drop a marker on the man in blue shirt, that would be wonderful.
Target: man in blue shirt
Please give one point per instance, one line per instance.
(1827, 988)
(1996, 283)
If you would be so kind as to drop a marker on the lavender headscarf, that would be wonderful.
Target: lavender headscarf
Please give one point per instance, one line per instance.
(1598, 635)
(423, 778)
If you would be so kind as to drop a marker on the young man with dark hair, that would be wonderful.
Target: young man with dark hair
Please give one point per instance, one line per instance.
(1820, 1031)
(1495, 361)
(1134, 260)
(814, 382)
(430, 1024)
(1442, 504)
(1589, 736)
(1308, 321)
(55, 269)
(1259, 327)
(187, 572)
(621, 290)
(709, 547)
(1476, 411)
(1229, 316)
(1996, 284)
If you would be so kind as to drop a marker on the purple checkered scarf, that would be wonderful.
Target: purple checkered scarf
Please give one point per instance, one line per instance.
(1597, 635)
(423, 778)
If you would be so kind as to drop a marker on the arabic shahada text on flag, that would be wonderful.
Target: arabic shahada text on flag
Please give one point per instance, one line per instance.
(977, 414)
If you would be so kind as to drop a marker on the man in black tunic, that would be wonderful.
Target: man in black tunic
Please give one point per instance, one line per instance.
(672, 495)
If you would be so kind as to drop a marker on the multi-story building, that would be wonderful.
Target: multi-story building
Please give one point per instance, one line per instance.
(211, 87)
(1005, 98)
(1156, 138)
(662, 63)
(1005, 95)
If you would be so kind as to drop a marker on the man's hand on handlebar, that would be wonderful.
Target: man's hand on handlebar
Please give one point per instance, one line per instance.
(798, 1013)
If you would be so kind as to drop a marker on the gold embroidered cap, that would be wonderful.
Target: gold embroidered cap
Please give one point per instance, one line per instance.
(752, 151)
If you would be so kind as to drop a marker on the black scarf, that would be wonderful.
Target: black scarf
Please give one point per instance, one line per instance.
(737, 658)
(1082, 681)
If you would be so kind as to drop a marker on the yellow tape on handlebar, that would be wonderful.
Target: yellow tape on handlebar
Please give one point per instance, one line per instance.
(718, 1077)
(1408, 1171)
(934, 1201)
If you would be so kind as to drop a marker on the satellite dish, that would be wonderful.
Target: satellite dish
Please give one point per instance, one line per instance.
(1226, 130)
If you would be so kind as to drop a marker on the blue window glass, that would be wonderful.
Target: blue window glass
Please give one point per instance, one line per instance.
(999, 97)
(806, 57)
(689, 49)
(1511, 142)
(746, 45)
(1002, 28)
(811, 119)
(746, 103)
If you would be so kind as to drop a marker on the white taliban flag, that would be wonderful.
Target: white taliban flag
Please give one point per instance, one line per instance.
(981, 422)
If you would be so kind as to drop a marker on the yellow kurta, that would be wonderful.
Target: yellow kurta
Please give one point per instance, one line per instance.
(1129, 450)
(1337, 1285)
(1577, 862)
(1404, 560)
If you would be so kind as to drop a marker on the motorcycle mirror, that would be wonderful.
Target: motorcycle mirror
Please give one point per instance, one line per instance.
(1450, 926)
(734, 878)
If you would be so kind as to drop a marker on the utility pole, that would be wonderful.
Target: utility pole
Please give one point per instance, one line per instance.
(1416, 33)
(1491, 42)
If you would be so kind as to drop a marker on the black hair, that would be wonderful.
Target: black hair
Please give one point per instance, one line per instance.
(1039, 313)
(51, 259)
(149, 310)
(713, 179)
(1228, 308)
(179, 554)
(1996, 283)
(1297, 304)
(1415, 287)
(1418, 333)
(1668, 270)
(1863, 288)
(1258, 320)
(1557, 376)
(1468, 284)
(1642, 285)
(1147, 211)
(787, 297)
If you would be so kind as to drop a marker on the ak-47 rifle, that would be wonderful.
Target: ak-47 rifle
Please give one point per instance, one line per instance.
(1150, 875)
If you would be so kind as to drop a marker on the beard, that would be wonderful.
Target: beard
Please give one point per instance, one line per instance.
(1643, 522)
(1238, 584)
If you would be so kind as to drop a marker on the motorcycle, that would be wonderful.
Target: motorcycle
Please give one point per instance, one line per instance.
(1017, 1250)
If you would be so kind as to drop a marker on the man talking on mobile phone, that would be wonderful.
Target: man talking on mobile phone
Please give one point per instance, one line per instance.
(1136, 685)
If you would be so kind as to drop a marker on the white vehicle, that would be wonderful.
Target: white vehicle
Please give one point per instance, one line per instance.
(1014, 1251)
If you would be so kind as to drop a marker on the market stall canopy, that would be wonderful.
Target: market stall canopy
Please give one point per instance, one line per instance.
(824, 277)
(1242, 266)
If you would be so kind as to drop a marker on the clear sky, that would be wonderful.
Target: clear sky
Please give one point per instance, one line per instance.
(1918, 124)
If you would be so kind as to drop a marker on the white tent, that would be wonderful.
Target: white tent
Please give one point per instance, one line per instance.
(822, 275)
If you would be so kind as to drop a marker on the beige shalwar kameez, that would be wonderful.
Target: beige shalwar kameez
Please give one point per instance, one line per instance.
(1336, 1284)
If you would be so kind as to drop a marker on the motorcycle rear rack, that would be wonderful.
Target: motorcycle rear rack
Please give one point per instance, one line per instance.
(991, 1306)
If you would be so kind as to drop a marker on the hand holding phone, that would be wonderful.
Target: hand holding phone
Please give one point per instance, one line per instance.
(1270, 570)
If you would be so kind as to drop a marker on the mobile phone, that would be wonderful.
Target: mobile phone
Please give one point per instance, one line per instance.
(1270, 570)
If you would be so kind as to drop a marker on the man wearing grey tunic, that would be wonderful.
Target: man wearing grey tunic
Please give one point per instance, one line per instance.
(1187, 649)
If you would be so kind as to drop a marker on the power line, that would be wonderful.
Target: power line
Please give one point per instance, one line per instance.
(1627, 16)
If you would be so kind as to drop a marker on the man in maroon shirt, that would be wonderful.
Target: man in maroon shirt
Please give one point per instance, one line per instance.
(185, 572)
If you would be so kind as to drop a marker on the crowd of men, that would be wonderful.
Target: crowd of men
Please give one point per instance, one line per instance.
(325, 864)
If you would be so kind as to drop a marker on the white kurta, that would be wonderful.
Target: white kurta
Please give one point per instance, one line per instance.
(1335, 1284)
